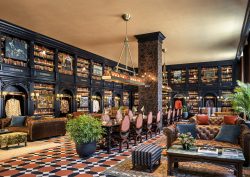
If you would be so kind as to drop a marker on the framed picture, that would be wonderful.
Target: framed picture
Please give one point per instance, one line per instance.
(84, 102)
(97, 70)
(208, 74)
(16, 49)
(67, 61)
(177, 76)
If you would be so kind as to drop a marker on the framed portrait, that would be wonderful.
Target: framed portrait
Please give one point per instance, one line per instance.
(209, 74)
(67, 61)
(177, 76)
(84, 102)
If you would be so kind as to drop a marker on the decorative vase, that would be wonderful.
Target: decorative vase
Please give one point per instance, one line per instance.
(86, 149)
(185, 146)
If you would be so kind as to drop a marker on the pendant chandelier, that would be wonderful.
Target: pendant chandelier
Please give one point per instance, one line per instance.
(164, 74)
(125, 74)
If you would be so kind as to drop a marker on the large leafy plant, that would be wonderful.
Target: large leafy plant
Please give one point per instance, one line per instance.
(241, 98)
(84, 129)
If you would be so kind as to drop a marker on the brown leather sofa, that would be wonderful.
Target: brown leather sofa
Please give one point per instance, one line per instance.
(207, 133)
(38, 129)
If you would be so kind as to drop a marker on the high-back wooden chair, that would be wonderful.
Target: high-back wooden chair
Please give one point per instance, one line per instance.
(169, 116)
(149, 125)
(136, 132)
(158, 123)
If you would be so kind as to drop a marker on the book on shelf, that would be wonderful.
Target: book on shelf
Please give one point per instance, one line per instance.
(208, 150)
(230, 152)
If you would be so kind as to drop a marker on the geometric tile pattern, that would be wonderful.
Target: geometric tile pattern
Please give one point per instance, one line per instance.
(63, 161)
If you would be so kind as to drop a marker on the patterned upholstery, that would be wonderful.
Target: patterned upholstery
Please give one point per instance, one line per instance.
(216, 120)
(125, 124)
(150, 118)
(205, 132)
(105, 117)
(146, 155)
(12, 138)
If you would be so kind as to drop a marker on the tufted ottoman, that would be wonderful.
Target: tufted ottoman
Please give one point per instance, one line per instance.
(146, 155)
(13, 138)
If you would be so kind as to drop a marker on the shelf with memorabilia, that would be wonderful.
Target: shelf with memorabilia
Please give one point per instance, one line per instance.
(193, 76)
(44, 95)
(83, 67)
(136, 99)
(65, 63)
(193, 101)
(43, 58)
(107, 99)
(126, 99)
(97, 71)
(13, 51)
(83, 94)
(226, 74)
(224, 101)
(209, 75)
(178, 76)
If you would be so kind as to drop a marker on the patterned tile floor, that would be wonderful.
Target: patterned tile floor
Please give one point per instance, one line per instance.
(63, 161)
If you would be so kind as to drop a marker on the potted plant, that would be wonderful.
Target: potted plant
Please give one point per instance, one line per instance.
(186, 139)
(85, 131)
(241, 99)
(185, 112)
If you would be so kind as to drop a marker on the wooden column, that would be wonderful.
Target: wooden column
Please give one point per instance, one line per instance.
(246, 55)
(150, 62)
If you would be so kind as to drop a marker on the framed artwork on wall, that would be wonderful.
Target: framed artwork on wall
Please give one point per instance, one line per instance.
(84, 102)
(16, 49)
(97, 70)
(177, 76)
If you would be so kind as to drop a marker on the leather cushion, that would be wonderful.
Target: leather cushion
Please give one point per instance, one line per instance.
(229, 133)
(202, 119)
(207, 132)
(230, 120)
(185, 128)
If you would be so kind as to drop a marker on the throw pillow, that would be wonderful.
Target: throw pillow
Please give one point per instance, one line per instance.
(17, 121)
(229, 133)
(202, 119)
(230, 120)
(185, 128)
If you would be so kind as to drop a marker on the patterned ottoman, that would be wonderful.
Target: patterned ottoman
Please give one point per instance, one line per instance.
(146, 155)
(13, 138)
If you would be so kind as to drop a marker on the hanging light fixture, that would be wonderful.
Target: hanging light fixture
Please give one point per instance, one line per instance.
(164, 74)
(128, 76)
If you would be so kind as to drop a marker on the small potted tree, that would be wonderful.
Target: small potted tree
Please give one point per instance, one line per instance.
(241, 99)
(85, 131)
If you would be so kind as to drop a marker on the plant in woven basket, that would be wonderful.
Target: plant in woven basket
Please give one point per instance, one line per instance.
(186, 139)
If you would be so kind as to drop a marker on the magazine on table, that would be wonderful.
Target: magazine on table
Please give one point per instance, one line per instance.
(208, 150)
(230, 152)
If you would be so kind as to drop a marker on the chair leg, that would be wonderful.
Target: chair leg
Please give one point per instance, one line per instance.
(120, 145)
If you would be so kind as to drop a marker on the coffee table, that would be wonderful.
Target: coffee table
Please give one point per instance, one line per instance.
(176, 154)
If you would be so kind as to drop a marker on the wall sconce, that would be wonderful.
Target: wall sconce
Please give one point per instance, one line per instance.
(93, 97)
(186, 98)
(78, 97)
(59, 96)
(4, 94)
(220, 97)
(199, 98)
(34, 96)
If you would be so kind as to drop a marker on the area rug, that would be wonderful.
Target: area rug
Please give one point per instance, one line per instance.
(186, 169)
(15, 150)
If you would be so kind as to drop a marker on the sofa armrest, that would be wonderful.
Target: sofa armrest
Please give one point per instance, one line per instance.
(171, 134)
(5, 122)
(245, 142)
